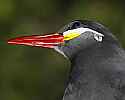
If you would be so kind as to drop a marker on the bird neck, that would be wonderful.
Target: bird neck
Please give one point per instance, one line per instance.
(89, 69)
(85, 64)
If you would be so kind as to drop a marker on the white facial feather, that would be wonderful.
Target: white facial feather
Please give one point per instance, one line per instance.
(97, 36)
(61, 52)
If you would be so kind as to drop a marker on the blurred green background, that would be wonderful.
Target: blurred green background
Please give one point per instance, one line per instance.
(28, 73)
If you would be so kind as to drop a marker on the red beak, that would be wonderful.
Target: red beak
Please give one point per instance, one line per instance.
(48, 41)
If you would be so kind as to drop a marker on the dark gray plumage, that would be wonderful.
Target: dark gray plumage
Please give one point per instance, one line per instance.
(97, 68)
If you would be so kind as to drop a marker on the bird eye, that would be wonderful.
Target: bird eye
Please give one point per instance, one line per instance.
(75, 25)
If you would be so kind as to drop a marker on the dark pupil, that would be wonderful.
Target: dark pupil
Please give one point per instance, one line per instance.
(75, 25)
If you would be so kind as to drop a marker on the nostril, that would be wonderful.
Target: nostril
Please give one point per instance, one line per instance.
(60, 33)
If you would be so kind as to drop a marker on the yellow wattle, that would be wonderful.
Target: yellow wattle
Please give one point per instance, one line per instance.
(71, 36)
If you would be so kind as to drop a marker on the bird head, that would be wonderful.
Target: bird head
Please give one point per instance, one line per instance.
(72, 38)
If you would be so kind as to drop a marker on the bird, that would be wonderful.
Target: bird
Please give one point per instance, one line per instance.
(97, 59)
